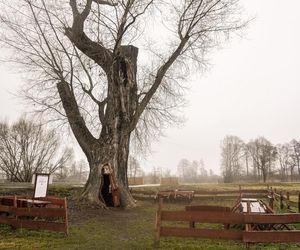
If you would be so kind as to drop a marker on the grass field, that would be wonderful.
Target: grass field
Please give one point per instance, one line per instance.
(92, 228)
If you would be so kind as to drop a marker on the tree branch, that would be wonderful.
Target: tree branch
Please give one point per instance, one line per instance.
(158, 79)
(95, 51)
(105, 2)
(77, 123)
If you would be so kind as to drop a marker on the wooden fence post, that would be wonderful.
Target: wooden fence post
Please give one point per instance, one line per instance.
(15, 205)
(15, 201)
(66, 217)
(281, 200)
(288, 199)
(299, 202)
(158, 223)
(271, 201)
(240, 190)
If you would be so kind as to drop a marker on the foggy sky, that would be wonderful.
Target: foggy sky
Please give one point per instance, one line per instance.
(250, 90)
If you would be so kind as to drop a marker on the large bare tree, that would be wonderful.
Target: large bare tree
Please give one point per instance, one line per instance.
(27, 148)
(82, 60)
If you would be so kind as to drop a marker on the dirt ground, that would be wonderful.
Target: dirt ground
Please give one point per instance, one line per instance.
(81, 213)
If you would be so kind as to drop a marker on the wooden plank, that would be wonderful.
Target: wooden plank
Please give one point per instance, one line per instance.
(66, 216)
(201, 233)
(272, 218)
(6, 220)
(207, 208)
(243, 191)
(293, 203)
(54, 200)
(184, 194)
(38, 212)
(205, 217)
(271, 236)
(227, 197)
(11, 197)
(4, 208)
(268, 209)
(7, 201)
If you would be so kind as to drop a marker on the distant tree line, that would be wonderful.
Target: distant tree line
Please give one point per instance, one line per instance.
(259, 160)
(194, 171)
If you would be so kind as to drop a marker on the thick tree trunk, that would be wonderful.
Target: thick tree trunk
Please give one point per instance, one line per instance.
(112, 147)
(264, 174)
(116, 156)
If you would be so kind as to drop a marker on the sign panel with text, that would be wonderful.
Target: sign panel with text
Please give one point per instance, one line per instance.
(41, 185)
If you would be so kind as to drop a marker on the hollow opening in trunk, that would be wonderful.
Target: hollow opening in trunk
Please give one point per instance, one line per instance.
(106, 190)
(109, 191)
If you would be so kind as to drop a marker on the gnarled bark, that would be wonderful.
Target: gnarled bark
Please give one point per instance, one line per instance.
(112, 147)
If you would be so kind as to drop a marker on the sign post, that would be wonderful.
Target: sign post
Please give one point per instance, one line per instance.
(41, 185)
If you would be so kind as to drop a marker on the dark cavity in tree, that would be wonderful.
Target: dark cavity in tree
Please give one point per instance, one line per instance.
(106, 191)
(123, 70)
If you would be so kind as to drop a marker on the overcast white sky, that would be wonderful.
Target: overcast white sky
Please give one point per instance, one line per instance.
(251, 90)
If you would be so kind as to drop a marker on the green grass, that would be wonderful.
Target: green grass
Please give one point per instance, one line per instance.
(125, 229)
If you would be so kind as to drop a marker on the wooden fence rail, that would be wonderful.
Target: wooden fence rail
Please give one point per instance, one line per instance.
(282, 197)
(222, 216)
(201, 194)
(20, 212)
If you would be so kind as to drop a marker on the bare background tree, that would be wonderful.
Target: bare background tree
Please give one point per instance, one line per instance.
(27, 148)
(232, 152)
(295, 155)
(259, 160)
(194, 172)
(134, 168)
(185, 170)
(81, 59)
(263, 154)
(285, 160)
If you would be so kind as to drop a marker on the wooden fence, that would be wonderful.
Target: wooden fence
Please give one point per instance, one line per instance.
(48, 213)
(280, 197)
(201, 194)
(283, 199)
(223, 216)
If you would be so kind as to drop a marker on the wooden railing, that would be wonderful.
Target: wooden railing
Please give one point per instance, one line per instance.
(283, 199)
(20, 212)
(222, 216)
(202, 194)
